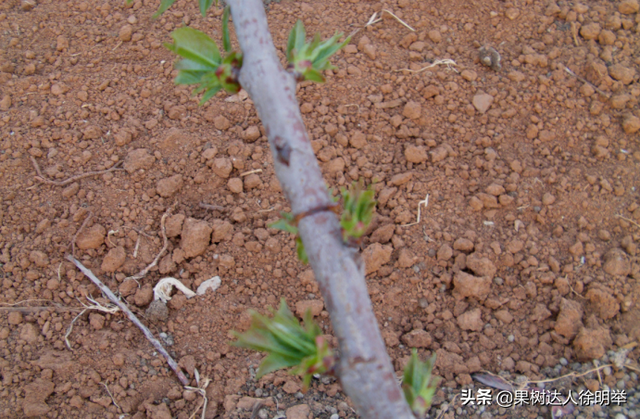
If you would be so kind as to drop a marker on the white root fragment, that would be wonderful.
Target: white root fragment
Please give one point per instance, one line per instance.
(162, 290)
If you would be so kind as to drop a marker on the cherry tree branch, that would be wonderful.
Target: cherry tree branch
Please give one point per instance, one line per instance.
(365, 369)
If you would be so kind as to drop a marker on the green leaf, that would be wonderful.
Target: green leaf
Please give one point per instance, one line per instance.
(313, 75)
(284, 225)
(287, 343)
(164, 5)
(296, 39)
(211, 92)
(196, 46)
(301, 251)
(204, 6)
(226, 41)
(418, 384)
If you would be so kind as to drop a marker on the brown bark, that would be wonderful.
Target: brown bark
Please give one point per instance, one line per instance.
(365, 369)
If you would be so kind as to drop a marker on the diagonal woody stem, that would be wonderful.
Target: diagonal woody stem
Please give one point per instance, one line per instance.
(365, 369)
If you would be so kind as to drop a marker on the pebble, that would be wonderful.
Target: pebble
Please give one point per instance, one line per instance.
(631, 124)
(416, 154)
(91, 238)
(169, 186)
(627, 7)
(412, 110)
(235, 185)
(376, 255)
(195, 236)
(138, 159)
(125, 33)
(482, 102)
(114, 259)
(616, 263)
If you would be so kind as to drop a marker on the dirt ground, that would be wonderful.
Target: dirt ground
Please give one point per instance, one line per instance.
(524, 262)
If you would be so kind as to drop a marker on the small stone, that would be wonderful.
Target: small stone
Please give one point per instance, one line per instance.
(516, 76)
(466, 285)
(590, 31)
(417, 338)
(301, 411)
(221, 123)
(125, 33)
(36, 393)
(469, 75)
(406, 258)
(471, 320)
(222, 231)
(415, 154)
(383, 234)
(114, 259)
(401, 178)
(62, 43)
(435, 36)
(29, 333)
(143, 296)
(222, 167)
(444, 253)
(495, 189)
(96, 320)
(628, 7)
(5, 103)
(252, 133)
(548, 199)
(15, 317)
(616, 263)
(252, 181)
(169, 186)
(91, 238)
(358, 140)
(504, 316)
(39, 258)
(462, 244)
(27, 5)
(138, 159)
(604, 303)
(196, 235)
(412, 110)
(512, 13)
(235, 185)
(157, 311)
(376, 255)
(370, 51)
(631, 124)
(118, 359)
(439, 153)
(481, 266)
(482, 102)
(315, 306)
(92, 132)
(173, 225)
(569, 319)
(591, 344)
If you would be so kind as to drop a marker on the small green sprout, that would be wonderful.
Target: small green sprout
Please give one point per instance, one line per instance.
(287, 344)
(202, 63)
(287, 223)
(308, 60)
(358, 211)
(418, 384)
(165, 4)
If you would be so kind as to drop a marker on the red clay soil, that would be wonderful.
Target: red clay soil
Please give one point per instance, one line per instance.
(524, 262)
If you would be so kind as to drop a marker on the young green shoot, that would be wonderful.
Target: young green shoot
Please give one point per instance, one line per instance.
(418, 384)
(307, 60)
(287, 344)
(202, 64)
(358, 206)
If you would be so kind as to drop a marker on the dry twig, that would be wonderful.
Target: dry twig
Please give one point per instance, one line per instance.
(165, 243)
(122, 306)
(41, 178)
(96, 306)
(110, 395)
(424, 202)
(447, 61)
(212, 207)
(250, 172)
(582, 79)
(373, 20)
(622, 217)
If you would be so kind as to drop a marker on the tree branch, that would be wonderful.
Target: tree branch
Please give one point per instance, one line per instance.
(365, 369)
